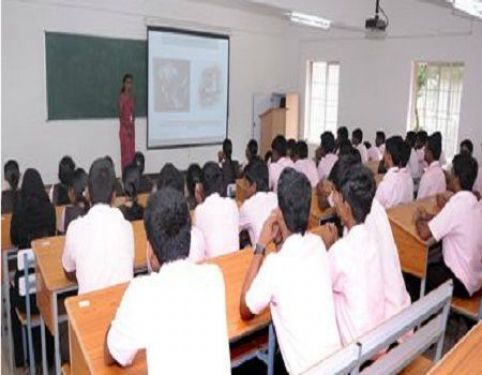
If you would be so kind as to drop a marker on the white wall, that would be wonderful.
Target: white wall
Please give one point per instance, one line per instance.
(262, 60)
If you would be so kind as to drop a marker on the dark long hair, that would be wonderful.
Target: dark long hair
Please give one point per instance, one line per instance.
(124, 79)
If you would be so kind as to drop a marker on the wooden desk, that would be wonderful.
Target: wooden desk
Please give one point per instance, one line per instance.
(465, 358)
(88, 325)
(52, 283)
(316, 213)
(373, 166)
(412, 250)
(6, 223)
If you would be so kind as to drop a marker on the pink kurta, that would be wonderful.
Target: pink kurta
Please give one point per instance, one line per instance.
(127, 133)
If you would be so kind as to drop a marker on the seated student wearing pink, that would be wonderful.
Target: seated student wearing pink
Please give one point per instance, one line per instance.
(293, 281)
(356, 261)
(217, 217)
(177, 312)
(305, 165)
(396, 186)
(260, 201)
(357, 141)
(279, 160)
(433, 180)
(467, 147)
(328, 156)
(413, 161)
(458, 225)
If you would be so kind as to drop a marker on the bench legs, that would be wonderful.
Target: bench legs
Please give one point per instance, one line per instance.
(271, 349)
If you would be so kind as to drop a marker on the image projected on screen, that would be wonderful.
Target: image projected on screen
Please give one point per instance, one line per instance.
(187, 88)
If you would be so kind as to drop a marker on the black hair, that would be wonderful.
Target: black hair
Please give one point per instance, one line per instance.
(66, 170)
(434, 144)
(268, 155)
(78, 184)
(294, 198)
(131, 179)
(252, 148)
(228, 148)
(358, 134)
(110, 160)
(367, 144)
(257, 172)
(212, 179)
(467, 143)
(422, 137)
(345, 147)
(406, 150)
(465, 167)
(393, 146)
(328, 142)
(291, 144)
(193, 177)
(101, 181)
(11, 173)
(170, 176)
(358, 189)
(302, 149)
(168, 225)
(140, 161)
(124, 79)
(340, 168)
(411, 138)
(280, 145)
(380, 135)
(342, 133)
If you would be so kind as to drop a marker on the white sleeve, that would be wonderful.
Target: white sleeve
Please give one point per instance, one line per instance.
(443, 222)
(68, 255)
(337, 262)
(243, 218)
(260, 293)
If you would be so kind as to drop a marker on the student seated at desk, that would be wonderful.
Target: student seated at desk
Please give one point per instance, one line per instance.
(99, 247)
(305, 165)
(420, 143)
(291, 149)
(279, 160)
(217, 217)
(396, 186)
(119, 190)
(194, 185)
(145, 183)
(229, 167)
(259, 203)
(328, 156)
(355, 260)
(252, 151)
(11, 174)
(131, 179)
(433, 180)
(380, 139)
(467, 147)
(458, 225)
(413, 161)
(294, 281)
(357, 141)
(59, 193)
(170, 176)
(341, 136)
(178, 312)
(79, 205)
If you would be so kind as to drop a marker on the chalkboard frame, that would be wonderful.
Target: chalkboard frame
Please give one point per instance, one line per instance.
(195, 33)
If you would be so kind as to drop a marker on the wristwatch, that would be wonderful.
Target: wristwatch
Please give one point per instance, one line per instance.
(259, 249)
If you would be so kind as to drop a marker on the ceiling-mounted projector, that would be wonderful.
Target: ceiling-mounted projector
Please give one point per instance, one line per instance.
(376, 23)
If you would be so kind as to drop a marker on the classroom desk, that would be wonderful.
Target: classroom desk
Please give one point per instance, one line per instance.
(91, 314)
(412, 250)
(316, 213)
(6, 223)
(465, 358)
(52, 283)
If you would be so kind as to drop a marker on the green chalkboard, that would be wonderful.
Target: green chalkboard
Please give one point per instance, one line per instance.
(84, 75)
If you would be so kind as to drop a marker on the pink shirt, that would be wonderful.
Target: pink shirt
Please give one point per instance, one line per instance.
(363, 152)
(197, 251)
(395, 292)
(478, 181)
(459, 226)
(432, 182)
(325, 165)
(414, 164)
(374, 154)
(275, 170)
(395, 188)
(218, 220)
(308, 168)
(254, 212)
(357, 281)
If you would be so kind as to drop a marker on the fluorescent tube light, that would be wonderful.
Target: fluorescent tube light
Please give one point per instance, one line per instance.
(309, 20)
(471, 7)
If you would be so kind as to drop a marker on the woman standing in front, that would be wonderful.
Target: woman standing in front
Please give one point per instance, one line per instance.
(127, 133)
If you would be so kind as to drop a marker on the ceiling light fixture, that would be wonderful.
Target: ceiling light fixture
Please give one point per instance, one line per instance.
(309, 20)
(471, 7)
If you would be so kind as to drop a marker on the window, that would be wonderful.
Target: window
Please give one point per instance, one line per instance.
(435, 103)
(322, 99)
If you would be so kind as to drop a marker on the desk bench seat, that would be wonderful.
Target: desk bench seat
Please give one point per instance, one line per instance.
(420, 366)
(470, 307)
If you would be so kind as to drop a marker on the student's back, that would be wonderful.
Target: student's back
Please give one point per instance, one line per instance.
(433, 180)
(79, 204)
(60, 191)
(11, 174)
(131, 180)
(305, 165)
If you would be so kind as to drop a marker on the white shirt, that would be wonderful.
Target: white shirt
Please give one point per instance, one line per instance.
(295, 283)
(395, 188)
(363, 152)
(414, 164)
(254, 212)
(374, 154)
(99, 247)
(459, 226)
(197, 250)
(325, 165)
(275, 170)
(179, 316)
(218, 220)
(357, 277)
(308, 168)
(432, 181)
(478, 181)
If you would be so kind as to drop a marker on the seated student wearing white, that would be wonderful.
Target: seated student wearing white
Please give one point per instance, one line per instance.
(413, 162)
(355, 260)
(294, 281)
(279, 161)
(467, 147)
(328, 156)
(260, 201)
(305, 165)
(357, 141)
(433, 180)
(217, 217)
(396, 186)
(178, 312)
(458, 225)
(99, 247)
